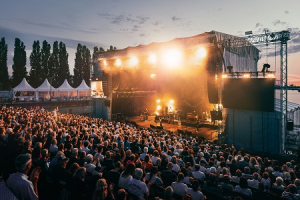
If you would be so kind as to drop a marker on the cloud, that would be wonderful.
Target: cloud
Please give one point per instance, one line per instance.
(257, 25)
(286, 12)
(176, 18)
(278, 22)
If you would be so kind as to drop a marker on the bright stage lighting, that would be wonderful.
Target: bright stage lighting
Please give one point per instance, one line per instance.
(158, 101)
(152, 59)
(133, 61)
(271, 75)
(152, 75)
(201, 52)
(224, 76)
(118, 62)
(246, 75)
(158, 107)
(171, 101)
(172, 58)
(104, 62)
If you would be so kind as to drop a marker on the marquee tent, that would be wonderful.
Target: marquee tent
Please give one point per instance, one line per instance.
(24, 91)
(45, 89)
(83, 89)
(65, 90)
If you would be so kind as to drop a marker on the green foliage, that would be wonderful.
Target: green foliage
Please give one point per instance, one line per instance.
(4, 77)
(82, 65)
(19, 63)
(45, 56)
(63, 68)
(35, 79)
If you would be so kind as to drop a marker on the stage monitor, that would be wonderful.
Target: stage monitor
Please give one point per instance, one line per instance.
(249, 94)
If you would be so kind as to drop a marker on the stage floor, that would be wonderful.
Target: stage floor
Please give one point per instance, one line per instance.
(208, 133)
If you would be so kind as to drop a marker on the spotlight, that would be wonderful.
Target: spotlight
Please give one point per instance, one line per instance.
(246, 75)
(172, 58)
(118, 62)
(104, 62)
(158, 107)
(224, 75)
(152, 75)
(201, 52)
(271, 75)
(133, 61)
(152, 59)
(158, 101)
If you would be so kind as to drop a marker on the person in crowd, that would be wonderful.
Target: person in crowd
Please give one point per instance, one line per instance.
(195, 191)
(126, 176)
(243, 188)
(291, 193)
(168, 176)
(18, 182)
(137, 187)
(253, 183)
(178, 186)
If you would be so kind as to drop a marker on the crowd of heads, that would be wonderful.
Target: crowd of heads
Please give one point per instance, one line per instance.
(89, 158)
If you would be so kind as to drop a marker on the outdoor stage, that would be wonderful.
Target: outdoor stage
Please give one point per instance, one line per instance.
(204, 130)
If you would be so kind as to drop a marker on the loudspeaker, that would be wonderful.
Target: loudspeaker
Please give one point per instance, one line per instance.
(290, 125)
(107, 103)
(212, 90)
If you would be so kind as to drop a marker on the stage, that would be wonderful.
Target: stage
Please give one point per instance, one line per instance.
(205, 130)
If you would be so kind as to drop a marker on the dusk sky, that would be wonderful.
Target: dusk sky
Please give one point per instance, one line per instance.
(124, 23)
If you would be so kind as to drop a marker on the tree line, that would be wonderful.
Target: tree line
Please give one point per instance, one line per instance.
(45, 63)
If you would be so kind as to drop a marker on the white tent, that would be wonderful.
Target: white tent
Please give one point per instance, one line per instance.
(65, 89)
(83, 90)
(24, 86)
(83, 87)
(24, 90)
(45, 89)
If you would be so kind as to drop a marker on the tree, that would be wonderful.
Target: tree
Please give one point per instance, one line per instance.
(19, 63)
(54, 65)
(45, 59)
(4, 76)
(35, 78)
(82, 65)
(63, 70)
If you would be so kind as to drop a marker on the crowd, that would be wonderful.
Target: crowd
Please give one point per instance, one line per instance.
(50, 155)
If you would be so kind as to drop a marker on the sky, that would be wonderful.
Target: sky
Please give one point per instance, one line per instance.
(124, 23)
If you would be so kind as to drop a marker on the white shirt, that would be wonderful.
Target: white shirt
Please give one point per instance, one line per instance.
(179, 188)
(22, 188)
(123, 181)
(253, 183)
(195, 195)
(175, 168)
(138, 188)
(246, 191)
(198, 175)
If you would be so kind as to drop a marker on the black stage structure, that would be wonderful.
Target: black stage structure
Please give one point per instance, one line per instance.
(133, 85)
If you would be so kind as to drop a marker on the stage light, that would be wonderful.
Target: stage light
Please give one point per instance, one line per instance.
(171, 101)
(152, 75)
(118, 62)
(246, 75)
(201, 52)
(133, 61)
(216, 76)
(158, 101)
(158, 107)
(224, 75)
(104, 62)
(271, 75)
(152, 59)
(157, 113)
(172, 58)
